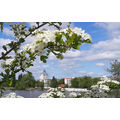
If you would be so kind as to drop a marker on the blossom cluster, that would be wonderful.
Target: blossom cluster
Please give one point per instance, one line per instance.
(8, 62)
(12, 95)
(101, 87)
(24, 61)
(113, 81)
(97, 91)
(42, 38)
(54, 93)
(74, 95)
(81, 33)
(41, 41)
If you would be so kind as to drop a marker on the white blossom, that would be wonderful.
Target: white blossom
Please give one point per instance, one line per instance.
(42, 38)
(73, 95)
(106, 81)
(53, 93)
(7, 62)
(12, 95)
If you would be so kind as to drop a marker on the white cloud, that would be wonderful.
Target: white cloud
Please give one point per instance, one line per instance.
(90, 73)
(113, 28)
(68, 64)
(8, 32)
(100, 64)
(72, 54)
(103, 50)
(52, 57)
(82, 72)
(4, 41)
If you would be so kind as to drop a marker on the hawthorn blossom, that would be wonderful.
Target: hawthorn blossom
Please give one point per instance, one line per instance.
(73, 95)
(42, 38)
(7, 62)
(12, 95)
(54, 93)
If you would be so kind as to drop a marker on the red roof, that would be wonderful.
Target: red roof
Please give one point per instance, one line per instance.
(62, 85)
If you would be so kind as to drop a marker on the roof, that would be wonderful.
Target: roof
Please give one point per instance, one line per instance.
(44, 73)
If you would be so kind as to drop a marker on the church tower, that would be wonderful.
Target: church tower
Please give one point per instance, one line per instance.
(44, 77)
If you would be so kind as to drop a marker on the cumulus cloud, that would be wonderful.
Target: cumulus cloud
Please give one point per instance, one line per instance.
(113, 28)
(103, 50)
(8, 32)
(82, 72)
(90, 73)
(100, 64)
(67, 64)
(4, 41)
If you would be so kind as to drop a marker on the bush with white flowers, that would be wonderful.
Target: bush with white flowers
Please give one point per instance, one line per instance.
(54, 93)
(12, 95)
(113, 84)
(98, 91)
(74, 95)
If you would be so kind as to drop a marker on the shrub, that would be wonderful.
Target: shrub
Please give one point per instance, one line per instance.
(84, 82)
(112, 85)
(53, 83)
(26, 81)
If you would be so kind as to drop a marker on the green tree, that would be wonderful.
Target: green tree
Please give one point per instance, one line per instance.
(114, 68)
(26, 81)
(61, 81)
(84, 82)
(75, 83)
(20, 76)
(39, 84)
(53, 83)
(87, 82)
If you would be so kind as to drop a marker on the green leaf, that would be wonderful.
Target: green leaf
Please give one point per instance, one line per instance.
(4, 47)
(1, 26)
(10, 83)
(43, 58)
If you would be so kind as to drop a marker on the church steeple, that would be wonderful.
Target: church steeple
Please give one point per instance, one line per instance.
(44, 76)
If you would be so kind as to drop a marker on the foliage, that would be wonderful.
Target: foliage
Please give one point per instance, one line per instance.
(61, 81)
(39, 84)
(26, 81)
(84, 82)
(115, 93)
(53, 82)
(112, 85)
(1, 26)
(75, 83)
(45, 42)
(114, 68)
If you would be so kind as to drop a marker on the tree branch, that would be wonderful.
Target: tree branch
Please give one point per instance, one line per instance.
(15, 45)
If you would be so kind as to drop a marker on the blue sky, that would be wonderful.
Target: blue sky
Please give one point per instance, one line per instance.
(90, 60)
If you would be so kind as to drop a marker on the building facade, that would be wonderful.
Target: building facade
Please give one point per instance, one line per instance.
(44, 77)
(67, 81)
